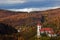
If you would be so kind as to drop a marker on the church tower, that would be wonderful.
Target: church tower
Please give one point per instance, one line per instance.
(38, 30)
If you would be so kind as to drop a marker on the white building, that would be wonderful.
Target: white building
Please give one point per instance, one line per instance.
(38, 30)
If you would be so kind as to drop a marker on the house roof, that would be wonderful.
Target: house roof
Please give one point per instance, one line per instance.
(39, 24)
(48, 30)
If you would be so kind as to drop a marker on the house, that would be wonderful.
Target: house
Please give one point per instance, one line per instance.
(48, 31)
(45, 31)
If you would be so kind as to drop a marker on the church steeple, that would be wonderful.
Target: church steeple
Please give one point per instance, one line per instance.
(38, 29)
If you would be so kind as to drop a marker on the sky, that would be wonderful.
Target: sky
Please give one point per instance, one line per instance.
(23, 4)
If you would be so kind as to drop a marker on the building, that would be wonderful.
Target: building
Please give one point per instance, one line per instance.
(48, 31)
(38, 29)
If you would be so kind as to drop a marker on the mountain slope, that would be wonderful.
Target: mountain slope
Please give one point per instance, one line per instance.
(21, 18)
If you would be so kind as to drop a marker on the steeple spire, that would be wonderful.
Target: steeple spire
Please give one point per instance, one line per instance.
(38, 29)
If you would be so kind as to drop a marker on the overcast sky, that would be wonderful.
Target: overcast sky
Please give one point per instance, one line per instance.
(20, 4)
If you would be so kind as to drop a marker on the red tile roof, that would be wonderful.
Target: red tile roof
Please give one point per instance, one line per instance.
(47, 29)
